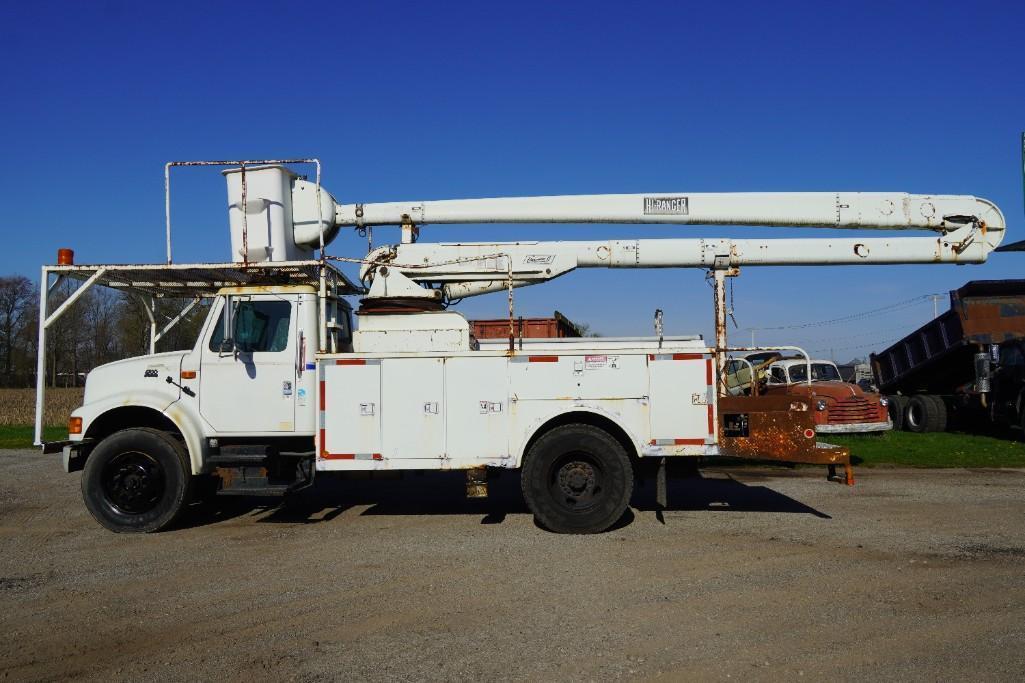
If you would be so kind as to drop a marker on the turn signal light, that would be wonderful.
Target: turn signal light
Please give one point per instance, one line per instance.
(75, 425)
(188, 374)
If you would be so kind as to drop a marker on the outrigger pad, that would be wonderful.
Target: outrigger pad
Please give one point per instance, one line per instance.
(848, 477)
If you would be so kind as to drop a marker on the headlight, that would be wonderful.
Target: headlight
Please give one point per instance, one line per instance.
(884, 401)
(820, 404)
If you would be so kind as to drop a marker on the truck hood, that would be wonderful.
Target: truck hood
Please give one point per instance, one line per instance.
(837, 391)
(142, 375)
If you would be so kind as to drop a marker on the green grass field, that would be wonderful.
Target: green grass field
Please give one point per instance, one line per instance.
(20, 436)
(945, 449)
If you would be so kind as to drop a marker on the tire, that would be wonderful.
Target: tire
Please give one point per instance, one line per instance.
(940, 421)
(896, 406)
(137, 480)
(577, 479)
(922, 414)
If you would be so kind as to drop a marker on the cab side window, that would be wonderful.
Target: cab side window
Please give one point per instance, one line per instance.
(777, 376)
(260, 327)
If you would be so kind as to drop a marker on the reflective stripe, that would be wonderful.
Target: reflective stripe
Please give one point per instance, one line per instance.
(351, 456)
(676, 356)
(678, 442)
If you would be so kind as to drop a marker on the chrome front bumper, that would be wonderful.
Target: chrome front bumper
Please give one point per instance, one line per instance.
(854, 428)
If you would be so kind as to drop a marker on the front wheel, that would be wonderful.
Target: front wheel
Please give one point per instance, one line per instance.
(577, 479)
(137, 480)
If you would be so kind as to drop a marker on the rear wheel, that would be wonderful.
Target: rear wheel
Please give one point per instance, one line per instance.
(577, 479)
(940, 419)
(137, 480)
(896, 405)
(923, 414)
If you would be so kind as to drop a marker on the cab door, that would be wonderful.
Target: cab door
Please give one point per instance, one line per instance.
(1008, 383)
(248, 382)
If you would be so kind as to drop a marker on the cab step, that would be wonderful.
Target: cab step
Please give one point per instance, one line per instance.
(269, 490)
(228, 459)
(259, 478)
(242, 454)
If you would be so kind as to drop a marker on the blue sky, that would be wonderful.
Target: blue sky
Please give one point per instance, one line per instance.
(445, 100)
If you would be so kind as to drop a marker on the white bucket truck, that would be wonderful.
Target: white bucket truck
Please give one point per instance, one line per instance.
(281, 388)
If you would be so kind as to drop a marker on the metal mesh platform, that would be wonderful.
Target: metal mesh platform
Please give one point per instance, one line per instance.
(189, 280)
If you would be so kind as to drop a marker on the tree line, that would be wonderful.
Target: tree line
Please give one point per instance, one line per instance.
(104, 325)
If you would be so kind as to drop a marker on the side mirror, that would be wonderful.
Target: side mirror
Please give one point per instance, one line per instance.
(229, 318)
(227, 343)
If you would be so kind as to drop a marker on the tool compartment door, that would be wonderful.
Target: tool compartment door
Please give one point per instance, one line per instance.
(682, 399)
(350, 410)
(413, 422)
(477, 402)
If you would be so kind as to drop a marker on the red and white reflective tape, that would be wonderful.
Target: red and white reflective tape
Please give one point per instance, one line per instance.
(534, 359)
(709, 380)
(675, 356)
(351, 456)
(322, 414)
(677, 442)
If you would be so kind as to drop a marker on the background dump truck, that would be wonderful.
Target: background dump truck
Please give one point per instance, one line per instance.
(967, 364)
(281, 387)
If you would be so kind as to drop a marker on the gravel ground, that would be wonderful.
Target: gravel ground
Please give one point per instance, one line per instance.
(751, 573)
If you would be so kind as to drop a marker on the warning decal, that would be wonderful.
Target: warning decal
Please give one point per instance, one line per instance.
(599, 362)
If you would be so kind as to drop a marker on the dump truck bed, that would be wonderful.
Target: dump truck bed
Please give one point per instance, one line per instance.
(937, 357)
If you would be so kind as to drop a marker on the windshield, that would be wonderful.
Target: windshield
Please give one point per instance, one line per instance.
(820, 372)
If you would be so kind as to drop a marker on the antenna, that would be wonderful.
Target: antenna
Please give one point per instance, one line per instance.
(1018, 246)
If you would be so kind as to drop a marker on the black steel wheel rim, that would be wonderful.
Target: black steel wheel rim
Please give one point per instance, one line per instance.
(576, 481)
(133, 482)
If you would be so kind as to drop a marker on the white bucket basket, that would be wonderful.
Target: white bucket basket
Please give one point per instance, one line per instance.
(261, 222)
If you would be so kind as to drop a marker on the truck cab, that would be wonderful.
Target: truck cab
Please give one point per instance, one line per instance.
(233, 404)
(249, 373)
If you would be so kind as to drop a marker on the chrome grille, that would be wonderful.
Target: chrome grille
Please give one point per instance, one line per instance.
(853, 409)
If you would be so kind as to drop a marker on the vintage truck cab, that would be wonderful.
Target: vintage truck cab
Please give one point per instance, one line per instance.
(839, 407)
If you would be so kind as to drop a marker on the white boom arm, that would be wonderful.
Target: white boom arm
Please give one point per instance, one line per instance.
(966, 229)
(859, 210)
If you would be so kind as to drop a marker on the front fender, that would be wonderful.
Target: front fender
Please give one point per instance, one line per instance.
(186, 420)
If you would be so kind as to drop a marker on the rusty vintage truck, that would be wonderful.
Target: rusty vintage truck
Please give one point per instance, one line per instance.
(838, 407)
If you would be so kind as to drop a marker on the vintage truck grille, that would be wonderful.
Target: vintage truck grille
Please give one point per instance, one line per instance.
(853, 409)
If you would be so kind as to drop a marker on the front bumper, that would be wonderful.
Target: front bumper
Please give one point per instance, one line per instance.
(73, 453)
(854, 428)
